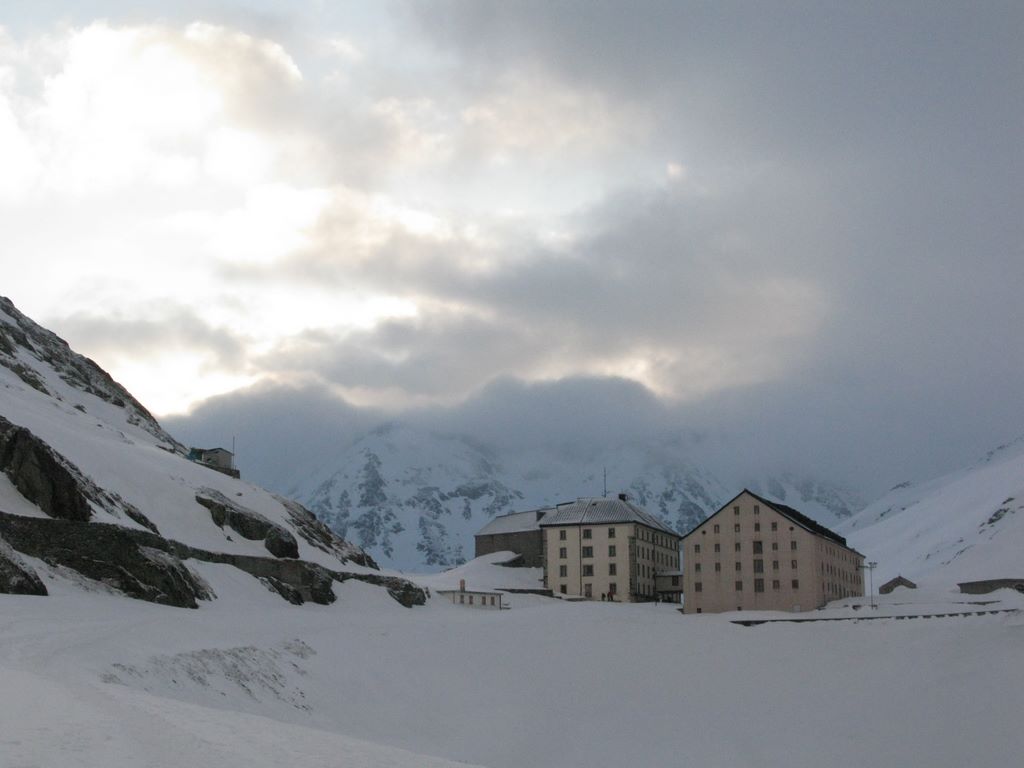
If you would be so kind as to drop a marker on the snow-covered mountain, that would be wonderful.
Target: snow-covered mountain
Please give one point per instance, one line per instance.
(414, 498)
(92, 489)
(963, 526)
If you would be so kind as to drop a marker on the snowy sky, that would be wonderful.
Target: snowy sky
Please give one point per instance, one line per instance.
(801, 222)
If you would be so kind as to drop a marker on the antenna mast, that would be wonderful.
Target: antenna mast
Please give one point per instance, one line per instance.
(605, 494)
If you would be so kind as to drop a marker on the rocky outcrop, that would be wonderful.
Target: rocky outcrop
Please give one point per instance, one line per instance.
(149, 567)
(317, 534)
(248, 524)
(41, 474)
(16, 578)
(53, 483)
(138, 563)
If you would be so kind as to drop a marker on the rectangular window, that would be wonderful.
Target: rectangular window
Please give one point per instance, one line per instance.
(736, 546)
(587, 590)
(587, 533)
(792, 564)
(758, 547)
(611, 589)
(588, 569)
(792, 545)
(470, 599)
(696, 549)
(696, 568)
(736, 528)
(757, 527)
(759, 585)
(462, 599)
(562, 589)
(717, 528)
(612, 569)
(563, 552)
(588, 552)
(775, 565)
(675, 581)
(611, 533)
(561, 535)
(739, 586)
(718, 567)
(757, 510)
(735, 510)
(759, 566)
(775, 526)
(698, 587)
(718, 547)
(796, 583)
(775, 546)
(775, 583)
(563, 571)
(611, 550)
(739, 566)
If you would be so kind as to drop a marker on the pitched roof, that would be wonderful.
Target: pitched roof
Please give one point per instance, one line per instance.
(788, 512)
(600, 511)
(514, 522)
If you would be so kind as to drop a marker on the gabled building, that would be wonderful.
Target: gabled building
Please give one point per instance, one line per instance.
(606, 548)
(220, 459)
(517, 532)
(758, 555)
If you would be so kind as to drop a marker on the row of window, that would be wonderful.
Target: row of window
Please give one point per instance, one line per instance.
(758, 585)
(483, 599)
(758, 547)
(658, 539)
(758, 566)
(588, 570)
(588, 590)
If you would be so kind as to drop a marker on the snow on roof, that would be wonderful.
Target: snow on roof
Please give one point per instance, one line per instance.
(515, 522)
(599, 511)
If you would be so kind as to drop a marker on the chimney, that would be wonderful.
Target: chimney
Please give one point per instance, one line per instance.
(623, 497)
(462, 585)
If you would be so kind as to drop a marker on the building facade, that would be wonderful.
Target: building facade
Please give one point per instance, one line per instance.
(606, 548)
(517, 532)
(755, 554)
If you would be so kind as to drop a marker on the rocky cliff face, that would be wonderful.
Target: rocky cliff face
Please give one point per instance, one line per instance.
(93, 489)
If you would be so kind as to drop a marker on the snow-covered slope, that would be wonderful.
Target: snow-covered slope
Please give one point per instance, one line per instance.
(91, 484)
(414, 498)
(964, 526)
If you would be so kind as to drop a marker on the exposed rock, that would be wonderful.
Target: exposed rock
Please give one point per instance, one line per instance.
(248, 524)
(286, 591)
(280, 543)
(53, 483)
(16, 578)
(138, 563)
(317, 534)
(149, 567)
(41, 474)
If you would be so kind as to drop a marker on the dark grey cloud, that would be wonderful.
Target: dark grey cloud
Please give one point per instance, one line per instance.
(168, 326)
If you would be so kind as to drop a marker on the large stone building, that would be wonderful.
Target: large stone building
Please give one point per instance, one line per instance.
(755, 554)
(606, 548)
(517, 532)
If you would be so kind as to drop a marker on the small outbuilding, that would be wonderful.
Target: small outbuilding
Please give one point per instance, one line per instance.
(985, 586)
(899, 581)
(473, 598)
(219, 459)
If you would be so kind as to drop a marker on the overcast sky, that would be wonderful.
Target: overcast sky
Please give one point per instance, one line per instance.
(797, 222)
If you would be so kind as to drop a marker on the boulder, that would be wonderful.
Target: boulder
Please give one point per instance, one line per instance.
(41, 474)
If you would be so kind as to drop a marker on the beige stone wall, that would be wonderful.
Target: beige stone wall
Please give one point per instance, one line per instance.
(639, 552)
(795, 570)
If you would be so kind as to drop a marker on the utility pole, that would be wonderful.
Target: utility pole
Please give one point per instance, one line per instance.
(605, 493)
